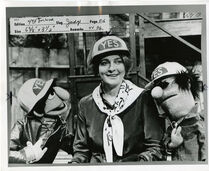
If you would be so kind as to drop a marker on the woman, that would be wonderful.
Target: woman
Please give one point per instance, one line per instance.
(118, 121)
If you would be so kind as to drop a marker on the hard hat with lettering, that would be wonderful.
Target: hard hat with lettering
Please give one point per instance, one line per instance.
(164, 70)
(108, 45)
(32, 91)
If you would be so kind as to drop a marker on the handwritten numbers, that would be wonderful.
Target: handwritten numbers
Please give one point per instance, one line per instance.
(59, 24)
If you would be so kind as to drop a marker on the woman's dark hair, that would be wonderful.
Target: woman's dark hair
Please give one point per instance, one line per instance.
(126, 60)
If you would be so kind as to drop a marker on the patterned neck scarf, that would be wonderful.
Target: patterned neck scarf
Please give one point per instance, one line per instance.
(113, 130)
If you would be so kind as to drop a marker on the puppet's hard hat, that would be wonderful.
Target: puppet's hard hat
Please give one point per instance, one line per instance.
(164, 70)
(108, 45)
(32, 91)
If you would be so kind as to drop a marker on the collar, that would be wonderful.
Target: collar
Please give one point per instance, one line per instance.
(132, 93)
(113, 129)
(190, 118)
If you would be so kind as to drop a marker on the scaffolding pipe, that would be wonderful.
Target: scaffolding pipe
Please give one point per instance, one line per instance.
(171, 34)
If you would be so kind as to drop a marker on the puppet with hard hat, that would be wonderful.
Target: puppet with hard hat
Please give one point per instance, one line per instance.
(43, 131)
(175, 91)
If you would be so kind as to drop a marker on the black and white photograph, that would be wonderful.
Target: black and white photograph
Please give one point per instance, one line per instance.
(106, 86)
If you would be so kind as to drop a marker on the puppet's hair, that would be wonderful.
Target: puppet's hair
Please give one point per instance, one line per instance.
(188, 80)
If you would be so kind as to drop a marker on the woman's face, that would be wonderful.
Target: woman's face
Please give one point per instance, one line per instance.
(112, 70)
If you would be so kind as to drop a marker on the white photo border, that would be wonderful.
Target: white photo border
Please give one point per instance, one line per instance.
(161, 6)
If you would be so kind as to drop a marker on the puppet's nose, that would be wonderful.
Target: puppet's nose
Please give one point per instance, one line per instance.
(62, 93)
(157, 92)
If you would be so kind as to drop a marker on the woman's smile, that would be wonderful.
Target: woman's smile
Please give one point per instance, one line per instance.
(112, 75)
(112, 70)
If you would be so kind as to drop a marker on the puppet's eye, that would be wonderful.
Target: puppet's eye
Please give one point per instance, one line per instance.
(163, 84)
(51, 95)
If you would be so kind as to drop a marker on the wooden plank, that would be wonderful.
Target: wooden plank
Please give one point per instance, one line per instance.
(132, 39)
(84, 53)
(71, 46)
(176, 36)
(59, 67)
(180, 28)
(142, 64)
(16, 79)
(37, 57)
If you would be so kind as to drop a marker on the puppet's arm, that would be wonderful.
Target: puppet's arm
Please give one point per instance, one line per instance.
(19, 153)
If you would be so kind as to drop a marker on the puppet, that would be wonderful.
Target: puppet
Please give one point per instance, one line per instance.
(38, 137)
(175, 91)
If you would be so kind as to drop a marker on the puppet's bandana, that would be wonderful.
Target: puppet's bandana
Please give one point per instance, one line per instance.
(113, 130)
